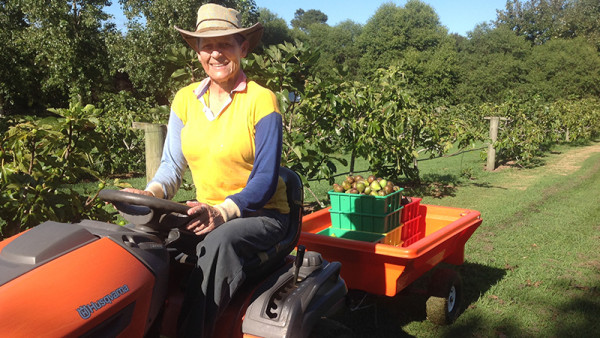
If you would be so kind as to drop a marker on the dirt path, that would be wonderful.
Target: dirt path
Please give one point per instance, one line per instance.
(571, 161)
(568, 162)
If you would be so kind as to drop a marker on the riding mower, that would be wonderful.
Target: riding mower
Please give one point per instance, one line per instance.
(96, 279)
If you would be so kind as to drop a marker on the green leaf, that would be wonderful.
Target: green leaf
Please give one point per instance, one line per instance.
(179, 73)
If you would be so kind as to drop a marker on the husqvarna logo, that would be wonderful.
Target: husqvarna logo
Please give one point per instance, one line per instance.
(86, 310)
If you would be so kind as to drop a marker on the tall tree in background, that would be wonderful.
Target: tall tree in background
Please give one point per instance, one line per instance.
(432, 74)
(492, 63)
(276, 29)
(413, 37)
(53, 51)
(584, 19)
(304, 19)
(542, 20)
(537, 20)
(393, 30)
(338, 48)
(562, 68)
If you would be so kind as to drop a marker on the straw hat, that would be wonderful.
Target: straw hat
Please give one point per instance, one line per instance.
(215, 20)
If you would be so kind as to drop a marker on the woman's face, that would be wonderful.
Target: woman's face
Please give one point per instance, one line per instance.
(220, 57)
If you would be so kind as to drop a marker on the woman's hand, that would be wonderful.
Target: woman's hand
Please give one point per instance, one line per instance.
(135, 191)
(206, 218)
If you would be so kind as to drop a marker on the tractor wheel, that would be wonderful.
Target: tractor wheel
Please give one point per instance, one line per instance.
(445, 297)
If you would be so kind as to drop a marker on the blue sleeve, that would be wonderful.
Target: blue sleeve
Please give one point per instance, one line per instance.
(263, 179)
(172, 163)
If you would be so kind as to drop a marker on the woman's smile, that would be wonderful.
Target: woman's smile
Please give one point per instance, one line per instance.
(220, 57)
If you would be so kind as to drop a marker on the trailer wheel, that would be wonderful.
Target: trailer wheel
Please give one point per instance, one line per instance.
(445, 297)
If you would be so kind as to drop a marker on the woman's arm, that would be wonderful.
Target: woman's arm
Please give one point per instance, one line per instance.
(169, 175)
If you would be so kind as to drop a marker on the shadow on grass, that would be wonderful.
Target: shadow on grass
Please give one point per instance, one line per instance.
(379, 316)
(487, 185)
(577, 317)
(587, 310)
(440, 186)
(538, 161)
(477, 279)
(436, 185)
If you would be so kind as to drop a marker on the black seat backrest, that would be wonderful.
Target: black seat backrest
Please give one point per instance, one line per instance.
(267, 260)
(295, 196)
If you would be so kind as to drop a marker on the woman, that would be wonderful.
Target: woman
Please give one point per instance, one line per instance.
(228, 130)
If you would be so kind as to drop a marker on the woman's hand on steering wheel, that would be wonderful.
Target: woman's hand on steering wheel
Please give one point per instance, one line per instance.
(206, 218)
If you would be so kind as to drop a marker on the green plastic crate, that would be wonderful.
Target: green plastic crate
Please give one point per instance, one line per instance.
(365, 204)
(365, 222)
(351, 234)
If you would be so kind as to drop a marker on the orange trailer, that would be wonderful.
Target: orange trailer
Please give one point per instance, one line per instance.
(386, 269)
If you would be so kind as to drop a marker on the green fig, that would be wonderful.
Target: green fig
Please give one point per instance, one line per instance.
(375, 186)
(360, 186)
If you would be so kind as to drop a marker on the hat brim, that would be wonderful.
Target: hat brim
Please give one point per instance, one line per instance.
(253, 34)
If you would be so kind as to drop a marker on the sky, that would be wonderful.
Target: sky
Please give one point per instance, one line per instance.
(459, 16)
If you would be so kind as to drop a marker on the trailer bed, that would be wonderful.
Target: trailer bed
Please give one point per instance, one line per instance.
(386, 269)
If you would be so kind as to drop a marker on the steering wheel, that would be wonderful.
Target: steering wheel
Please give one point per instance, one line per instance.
(154, 203)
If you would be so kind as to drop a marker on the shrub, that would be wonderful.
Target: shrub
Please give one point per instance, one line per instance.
(38, 158)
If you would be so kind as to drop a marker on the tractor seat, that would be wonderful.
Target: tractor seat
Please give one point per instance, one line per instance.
(274, 257)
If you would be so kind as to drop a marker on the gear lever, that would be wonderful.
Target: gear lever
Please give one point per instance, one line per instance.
(298, 261)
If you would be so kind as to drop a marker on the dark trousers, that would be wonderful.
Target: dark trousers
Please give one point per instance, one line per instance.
(219, 271)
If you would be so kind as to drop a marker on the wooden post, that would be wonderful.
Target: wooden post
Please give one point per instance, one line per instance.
(491, 153)
(154, 139)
